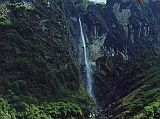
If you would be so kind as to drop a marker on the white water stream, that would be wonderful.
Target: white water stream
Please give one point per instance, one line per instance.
(88, 70)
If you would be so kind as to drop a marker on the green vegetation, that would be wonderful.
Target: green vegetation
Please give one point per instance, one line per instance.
(39, 76)
(150, 112)
(45, 111)
(4, 20)
(143, 98)
(21, 6)
(138, 87)
(6, 112)
(81, 5)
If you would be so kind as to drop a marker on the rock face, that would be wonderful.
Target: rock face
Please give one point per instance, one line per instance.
(122, 15)
(123, 40)
(131, 44)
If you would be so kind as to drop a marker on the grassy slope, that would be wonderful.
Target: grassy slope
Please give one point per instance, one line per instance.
(138, 87)
(144, 93)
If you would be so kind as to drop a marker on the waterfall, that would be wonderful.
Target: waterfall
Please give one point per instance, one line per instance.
(140, 29)
(87, 62)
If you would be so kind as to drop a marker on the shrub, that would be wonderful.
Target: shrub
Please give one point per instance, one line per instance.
(5, 110)
(150, 112)
(4, 20)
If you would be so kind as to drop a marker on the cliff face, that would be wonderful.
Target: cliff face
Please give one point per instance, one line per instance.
(127, 64)
(123, 42)
(129, 34)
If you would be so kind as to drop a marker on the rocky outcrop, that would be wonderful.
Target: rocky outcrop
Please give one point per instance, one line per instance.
(130, 46)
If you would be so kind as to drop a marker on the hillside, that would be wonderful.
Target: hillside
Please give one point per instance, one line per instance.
(76, 59)
(37, 66)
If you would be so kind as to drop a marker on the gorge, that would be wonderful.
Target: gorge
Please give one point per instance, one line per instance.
(76, 59)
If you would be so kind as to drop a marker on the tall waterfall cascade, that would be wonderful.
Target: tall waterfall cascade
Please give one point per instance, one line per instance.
(88, 70)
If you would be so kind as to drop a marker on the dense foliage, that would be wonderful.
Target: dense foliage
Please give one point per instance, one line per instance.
(45, 111)
(37, 66)
(39, 74)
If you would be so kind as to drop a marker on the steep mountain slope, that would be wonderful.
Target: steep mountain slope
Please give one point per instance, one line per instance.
(126, 78)
(43, 64)
(37, 65)
(123, 41)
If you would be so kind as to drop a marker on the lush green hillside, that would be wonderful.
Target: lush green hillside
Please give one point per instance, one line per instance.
(39, 78)
(41, 52)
